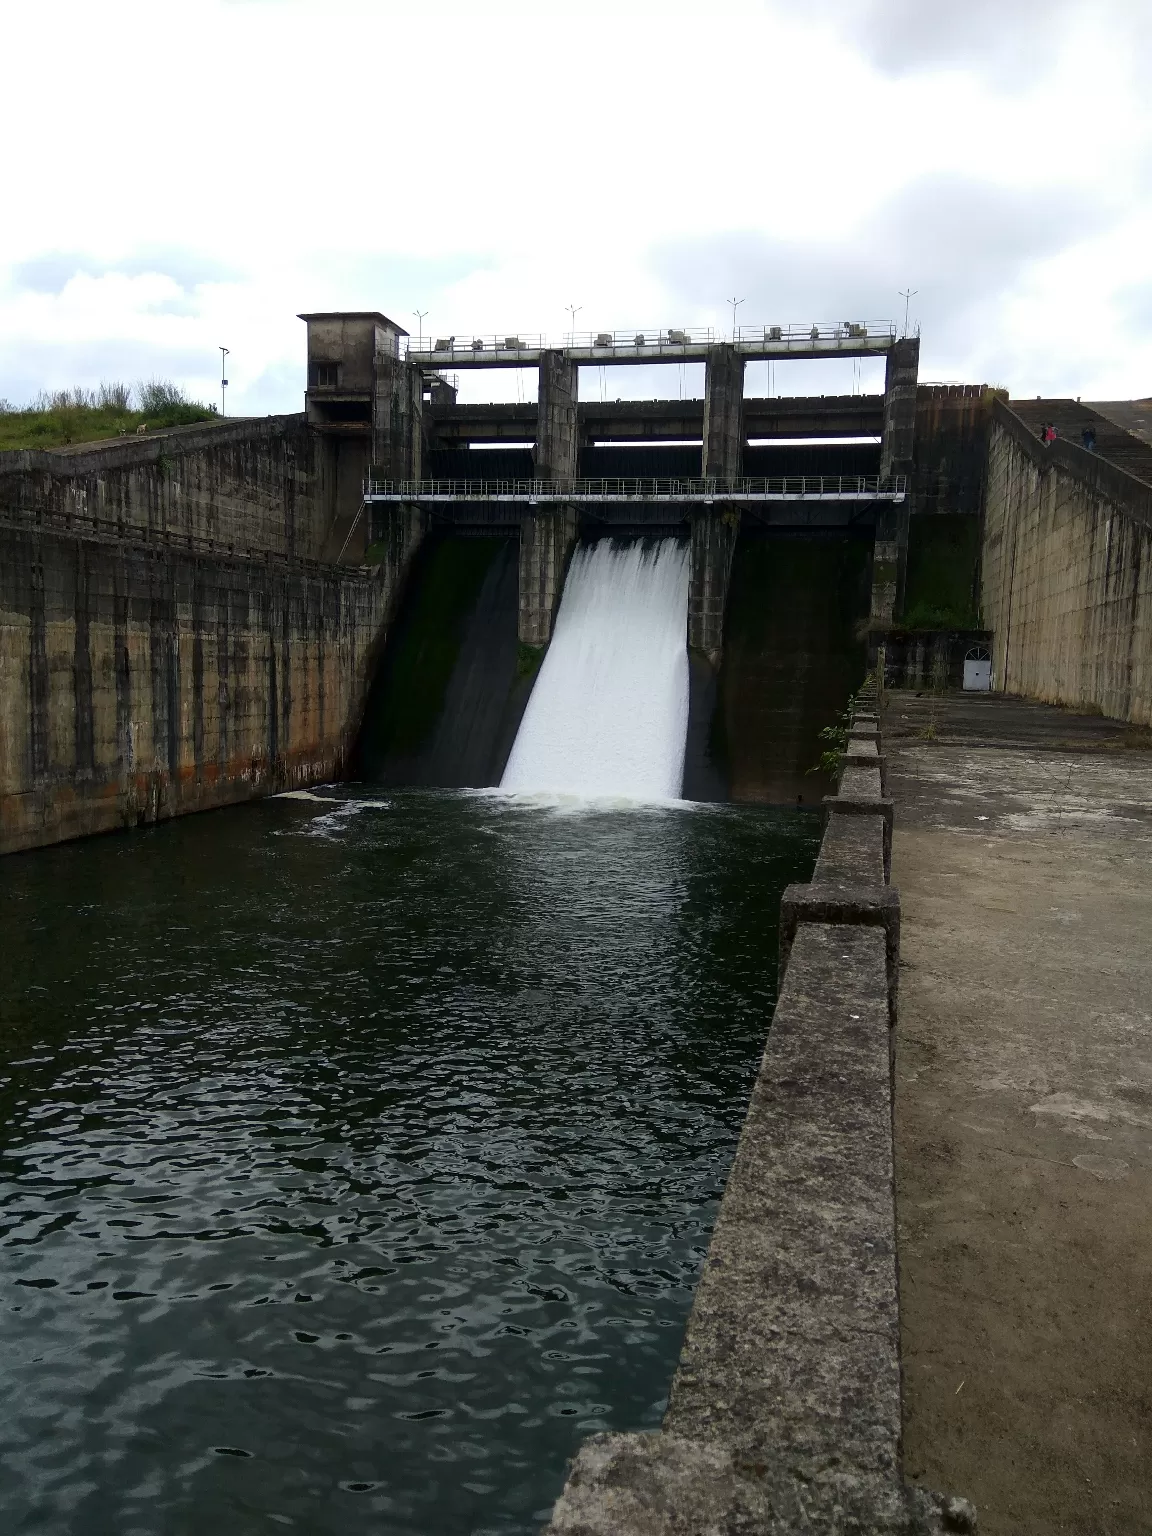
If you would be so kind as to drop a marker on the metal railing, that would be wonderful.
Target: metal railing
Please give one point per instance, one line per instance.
(648, 338)
(801, 331)
(620, 488)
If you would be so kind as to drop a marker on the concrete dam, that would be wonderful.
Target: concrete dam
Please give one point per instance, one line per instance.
(485, 1118)
(228, 610)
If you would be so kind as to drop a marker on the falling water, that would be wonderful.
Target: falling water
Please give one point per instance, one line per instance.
(609, 712)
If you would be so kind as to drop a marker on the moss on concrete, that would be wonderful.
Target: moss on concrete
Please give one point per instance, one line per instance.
(793, 655)
(941, 586)
(528, 659)
(422, 652)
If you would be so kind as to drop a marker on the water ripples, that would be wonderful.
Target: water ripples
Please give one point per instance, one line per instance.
(355, 1165)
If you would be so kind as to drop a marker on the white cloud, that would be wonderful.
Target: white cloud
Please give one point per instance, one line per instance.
(198, 177)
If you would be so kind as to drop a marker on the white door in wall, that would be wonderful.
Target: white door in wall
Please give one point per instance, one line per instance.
(977, 670)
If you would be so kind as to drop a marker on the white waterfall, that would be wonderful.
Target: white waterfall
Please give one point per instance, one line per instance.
(608, 715)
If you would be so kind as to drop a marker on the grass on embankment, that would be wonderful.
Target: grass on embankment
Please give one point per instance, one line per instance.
(88, 416)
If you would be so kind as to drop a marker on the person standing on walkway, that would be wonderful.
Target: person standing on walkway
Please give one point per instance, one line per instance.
(1088, 438)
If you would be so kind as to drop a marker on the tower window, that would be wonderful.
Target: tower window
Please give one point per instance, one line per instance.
(323, 375)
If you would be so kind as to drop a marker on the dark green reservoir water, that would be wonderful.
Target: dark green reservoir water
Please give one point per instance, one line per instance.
(357, 1159)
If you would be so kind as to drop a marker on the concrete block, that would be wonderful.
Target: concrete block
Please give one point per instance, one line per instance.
(671, 1485)
(851, 852)
(844, 902)
(861, 781)
(866, 805)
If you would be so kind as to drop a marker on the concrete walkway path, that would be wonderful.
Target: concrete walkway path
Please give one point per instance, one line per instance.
(1023, 853)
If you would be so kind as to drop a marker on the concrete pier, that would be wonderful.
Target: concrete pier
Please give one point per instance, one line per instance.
(723, 414)
(897, 449)
(546, 540)
(714, 535)
(716, 528)
(557, 451)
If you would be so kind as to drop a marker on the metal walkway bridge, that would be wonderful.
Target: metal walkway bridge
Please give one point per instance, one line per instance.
(531, 493)
(655, 344)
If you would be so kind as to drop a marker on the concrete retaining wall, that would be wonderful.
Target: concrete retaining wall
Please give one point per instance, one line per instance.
(167, 643)
(235, 487)
(785, 1412)
(1067, 574)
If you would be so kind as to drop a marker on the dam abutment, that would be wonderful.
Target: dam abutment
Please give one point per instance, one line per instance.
(1067, 574)
(171, 640)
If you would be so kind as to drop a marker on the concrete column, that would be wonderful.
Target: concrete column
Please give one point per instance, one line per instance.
(887, 557)
(897, 447)
(723, 455)
(546, 540)
(714, 534)
(397, 419)
(557, 453)
(900, 374)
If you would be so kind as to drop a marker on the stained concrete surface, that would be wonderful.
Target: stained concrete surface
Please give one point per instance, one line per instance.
(1023, 854)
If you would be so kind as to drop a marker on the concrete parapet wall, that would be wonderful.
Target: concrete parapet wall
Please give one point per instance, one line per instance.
(1067, 574)
(140, 681)
(239, 487)
(785, 1411)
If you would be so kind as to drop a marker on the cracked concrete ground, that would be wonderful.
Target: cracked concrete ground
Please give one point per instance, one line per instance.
(1023, 854)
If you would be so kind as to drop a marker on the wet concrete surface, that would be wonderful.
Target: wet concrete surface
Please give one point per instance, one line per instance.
(1023, 854)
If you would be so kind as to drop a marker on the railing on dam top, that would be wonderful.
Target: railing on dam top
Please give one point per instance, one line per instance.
(770, 488)
(651, 341)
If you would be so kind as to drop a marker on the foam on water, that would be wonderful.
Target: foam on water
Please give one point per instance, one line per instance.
(608, 716)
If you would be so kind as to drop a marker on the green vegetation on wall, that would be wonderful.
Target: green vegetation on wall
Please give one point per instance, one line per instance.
(90, 415)
(793, 655)
(421, 654)
(940, 588)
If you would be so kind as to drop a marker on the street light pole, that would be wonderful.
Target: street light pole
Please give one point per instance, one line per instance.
(907, 294)
(573, 310)
(735, 303)
(223, 380)
(419, 313)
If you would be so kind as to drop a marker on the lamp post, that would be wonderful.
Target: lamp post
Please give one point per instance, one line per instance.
(573, 310)
(419, 313)
(907, 294)
(735, 303)
(223, 380)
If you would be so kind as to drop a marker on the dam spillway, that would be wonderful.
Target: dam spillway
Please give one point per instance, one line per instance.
(609, 711)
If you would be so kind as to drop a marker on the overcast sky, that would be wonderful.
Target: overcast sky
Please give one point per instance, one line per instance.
(184, 176)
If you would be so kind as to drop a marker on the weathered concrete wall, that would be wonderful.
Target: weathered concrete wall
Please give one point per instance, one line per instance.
(141, 679)
(234, 487)
(785, 1412)
(1067, 574)
(898, 437)
(398, 419)
(546, 540)
(714, 535)
(723, 455)
(951, 447)
(557, 454)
